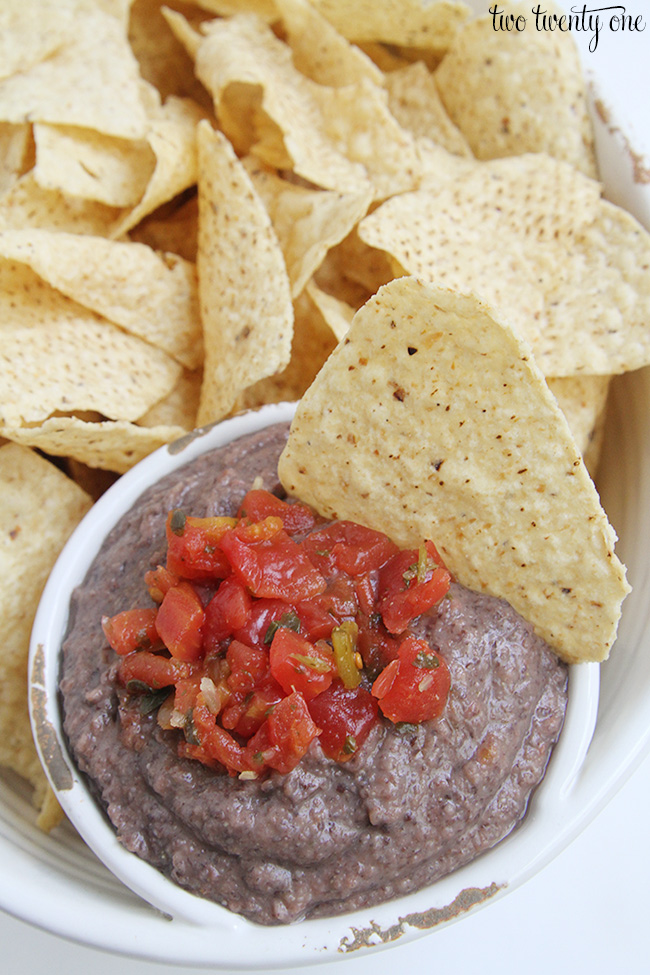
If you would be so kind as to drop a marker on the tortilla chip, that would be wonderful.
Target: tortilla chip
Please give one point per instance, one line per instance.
(180, 407)
(112, 445)
(313, 340)
(243, 283)
(27, 204)
(266, 106)
(70, 87)
(511, 93)
(406, 22)
(31, 31)
(352, 260)
(531, 236)
(186, 31)
(308, 222)
(153, 297)
(91, 165)
(266, 9)
(162, 58)
(173, 228)
(338, 314)
(16, 150)
(493, 475)
(320, 52)
(57, 356)
(39, 508)
(92, 480)
(172, 140)
(583, 399)
(414, 101)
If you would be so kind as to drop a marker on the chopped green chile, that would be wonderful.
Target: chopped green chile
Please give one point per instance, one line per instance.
(314, 663)
(289, 620)
(428, 661)
(151, 701)
(344, 642)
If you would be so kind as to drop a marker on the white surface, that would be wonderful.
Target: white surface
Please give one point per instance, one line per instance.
(586, 912)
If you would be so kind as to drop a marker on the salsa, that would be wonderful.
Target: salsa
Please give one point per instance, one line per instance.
(271, 628)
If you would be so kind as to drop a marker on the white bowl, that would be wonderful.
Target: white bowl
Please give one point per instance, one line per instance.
(198, 924)
(57, 883)
(202, 922)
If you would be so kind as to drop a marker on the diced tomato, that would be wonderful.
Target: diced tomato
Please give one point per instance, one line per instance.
(374, 644)
(259, 531)
(276, 656)
(158, 581)
(218, 743)
(414, 687)
(257, 706)
(265, 613)
(259, 504)
(180, 621)
(193, 550)
(410, 586)
(154, 670)
(248, 665)
(228, 610)
(345, 546)
(366, 592)
(186, 693)
(284, 737)
(274, 568)
(345, 717)
(299, 665)
(133, 629)
(316, 619)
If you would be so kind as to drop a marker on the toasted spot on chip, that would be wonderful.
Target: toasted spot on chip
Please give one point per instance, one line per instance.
(516, 92)
(513, 512)
(39, 508)
(243, 283)
(533, 237)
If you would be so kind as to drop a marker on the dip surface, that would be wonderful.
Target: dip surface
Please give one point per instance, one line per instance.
(412, 804)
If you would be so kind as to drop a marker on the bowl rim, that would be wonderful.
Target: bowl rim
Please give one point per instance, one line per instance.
(547, 827)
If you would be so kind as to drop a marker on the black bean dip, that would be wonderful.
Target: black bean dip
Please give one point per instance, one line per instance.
(413, 804)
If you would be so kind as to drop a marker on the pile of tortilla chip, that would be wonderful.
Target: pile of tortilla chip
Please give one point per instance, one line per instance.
(197, 198)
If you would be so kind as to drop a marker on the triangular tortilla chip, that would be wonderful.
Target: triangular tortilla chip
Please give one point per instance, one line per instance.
(243, 283)
(431, 420)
